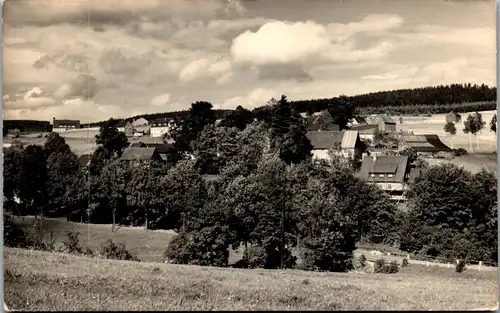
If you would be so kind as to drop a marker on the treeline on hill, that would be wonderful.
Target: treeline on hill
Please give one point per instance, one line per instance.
(434, 100)
(26, 126)
(266, 194)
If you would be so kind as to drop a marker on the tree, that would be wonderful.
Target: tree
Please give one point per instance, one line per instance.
(33, 179)
(493, 124)
(288, 134)
(452, 214)
(12, 163)
(238, 118)
(450, 129)
(342, 111)
(55, 144)
(111, 139)
(200, 115)
(216, 147)
(114, 182)
(473, 125)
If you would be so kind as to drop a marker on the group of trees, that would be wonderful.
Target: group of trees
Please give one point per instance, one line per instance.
(472, 126)
(268, 195)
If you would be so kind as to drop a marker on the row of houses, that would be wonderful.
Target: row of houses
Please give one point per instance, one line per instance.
(382, 166)
(136, 128)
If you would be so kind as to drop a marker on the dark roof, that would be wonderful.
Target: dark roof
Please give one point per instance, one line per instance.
(84, 159)
(364, 127)
(162, 148)
(58, 123)
(436, 142)
(138, 154)
(425, 143)
(360, 119)
(324, 139)
(384, 118)
(394, 165)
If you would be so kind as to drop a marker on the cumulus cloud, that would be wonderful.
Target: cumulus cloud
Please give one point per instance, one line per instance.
(114, 61)
(282, 72)
(84, 86)
(255, 98)
(33, 98)
(160, 100)
(219, 70)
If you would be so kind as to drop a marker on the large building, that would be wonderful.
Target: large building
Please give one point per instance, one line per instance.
(160, 127)
(390, 173)
(346, 143)
(64, 125)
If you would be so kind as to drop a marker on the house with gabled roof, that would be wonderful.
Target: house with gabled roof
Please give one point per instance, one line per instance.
(385, 123)
(321, 121)
(136, 155)
(391, 173)
(366, 131)
(347, 143)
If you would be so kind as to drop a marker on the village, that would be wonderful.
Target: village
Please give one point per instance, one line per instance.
(371, 142)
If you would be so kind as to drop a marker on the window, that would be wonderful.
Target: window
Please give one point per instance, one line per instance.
(372, 175)
(390, 175)
(381, 175)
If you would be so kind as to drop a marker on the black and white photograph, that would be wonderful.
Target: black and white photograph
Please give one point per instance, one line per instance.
(290, 155)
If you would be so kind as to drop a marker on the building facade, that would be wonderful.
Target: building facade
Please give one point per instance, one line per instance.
(64, 125)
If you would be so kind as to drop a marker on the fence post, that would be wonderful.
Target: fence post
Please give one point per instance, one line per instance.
(480, 264)
(427, 264)
(408, 256)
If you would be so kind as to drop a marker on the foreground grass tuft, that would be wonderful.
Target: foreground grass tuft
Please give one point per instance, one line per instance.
(36, 280)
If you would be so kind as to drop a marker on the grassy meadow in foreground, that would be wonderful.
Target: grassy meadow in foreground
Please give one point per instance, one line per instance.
(36, 280)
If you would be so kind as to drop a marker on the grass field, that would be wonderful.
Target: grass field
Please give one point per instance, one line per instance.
(36, 280)
(435, 124)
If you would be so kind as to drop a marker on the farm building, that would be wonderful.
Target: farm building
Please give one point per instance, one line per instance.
(164, 149)
(161, 126)
(137, 155)
(385, 123)
(366, 131)
(426, 145)
(357, 120)
(321, 121)
(63, 125)
(347, 140)
(453, 117)
(390, 173)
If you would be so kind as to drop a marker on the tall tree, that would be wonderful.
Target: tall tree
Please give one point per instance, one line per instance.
(450, 129)
(473, 125)
(288, 134)
(111, 139)
(493, 124)
(215, 147)
(238, 118)
(55, 144)
(342, 111)
(114, 181)
(33, 179)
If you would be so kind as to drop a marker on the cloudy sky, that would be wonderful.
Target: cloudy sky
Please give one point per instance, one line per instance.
(92, 60)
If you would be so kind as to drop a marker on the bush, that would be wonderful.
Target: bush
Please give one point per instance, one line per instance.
(461, 266)
(382, 267)
(405, 263)
(16, 237)
(254, 257)
(361, 261)
(207, 247)
(459, 152)
(72, 244)
(116, 252)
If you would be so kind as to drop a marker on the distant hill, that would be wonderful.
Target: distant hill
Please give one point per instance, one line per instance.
(438, 99)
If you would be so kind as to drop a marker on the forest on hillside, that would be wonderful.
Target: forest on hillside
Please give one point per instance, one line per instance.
(427, 100)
